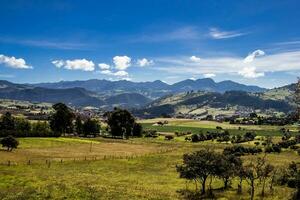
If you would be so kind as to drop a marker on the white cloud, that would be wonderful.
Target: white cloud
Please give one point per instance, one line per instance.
(195, 58)
(215, 33)
(58, 63)
(122, 62)
(77, 64)
(144, 62)
(179, 34)
(288, 61)
(209, 75)
(17, 63)
(117, 73)
(250, 72)
(107, 72)
(121, 73)
(250, 58)
(103, 66)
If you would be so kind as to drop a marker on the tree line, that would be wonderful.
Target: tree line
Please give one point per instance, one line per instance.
(63, 121)
(204, 166)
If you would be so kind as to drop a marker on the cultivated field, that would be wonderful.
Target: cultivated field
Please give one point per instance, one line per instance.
(194, 126)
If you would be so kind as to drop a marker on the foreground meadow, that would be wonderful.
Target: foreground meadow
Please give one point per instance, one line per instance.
(140, 168)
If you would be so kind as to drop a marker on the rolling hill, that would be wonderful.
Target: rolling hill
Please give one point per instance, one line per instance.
(75, 96)
(205, 103)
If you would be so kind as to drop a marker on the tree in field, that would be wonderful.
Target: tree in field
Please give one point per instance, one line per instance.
(259, 170)
(120, 122)
(198, 166)
(10, 143)
(228, 167)
(91, 127)
(7, 122)
(137, 130)
(61, 120)
(265, 173)
(79, 125)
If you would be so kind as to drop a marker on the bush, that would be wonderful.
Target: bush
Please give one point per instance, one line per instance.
(169, 137)
(10, 143)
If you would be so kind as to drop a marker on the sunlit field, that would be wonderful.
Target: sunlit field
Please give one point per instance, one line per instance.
(139, 168)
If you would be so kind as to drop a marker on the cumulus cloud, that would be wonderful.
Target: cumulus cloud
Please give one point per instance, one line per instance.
(250, 58)
(209, 75)
(215, 33)
(103, 66)
(77, 64)
(17, 63)
(144, 62)
(250, 72)
(122, 62)
(195, 58)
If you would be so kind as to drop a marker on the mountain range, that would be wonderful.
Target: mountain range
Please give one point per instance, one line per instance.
(153, 89)
(155, 96)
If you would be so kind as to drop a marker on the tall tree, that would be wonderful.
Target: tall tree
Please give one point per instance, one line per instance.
(79, 125)
(91, 127)
(61, 119)
(7, 122)
(120, 122)
(198, 166)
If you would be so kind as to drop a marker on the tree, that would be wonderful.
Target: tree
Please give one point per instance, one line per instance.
(121, 122)
(91, 127)
(265, 174)
(22, 125)
(254, 171)
(79, 125)
(228, 167)
(61, 120)
(137, 130)
(7, 122)
(198, 166)
(10, 143)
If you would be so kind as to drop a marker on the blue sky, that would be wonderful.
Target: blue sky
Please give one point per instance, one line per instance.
(252, 42)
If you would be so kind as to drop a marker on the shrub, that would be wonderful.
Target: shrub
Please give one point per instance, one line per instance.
(169, 137)
(10, 143)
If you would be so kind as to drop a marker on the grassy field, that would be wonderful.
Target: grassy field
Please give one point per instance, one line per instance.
(195, 126)
(149, 173)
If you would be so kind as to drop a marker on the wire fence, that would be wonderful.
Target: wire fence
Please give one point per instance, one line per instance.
(49, 161)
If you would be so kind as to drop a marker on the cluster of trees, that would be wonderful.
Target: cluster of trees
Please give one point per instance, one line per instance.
(222, 136)
(20, 127)
(64, 121)
(249, 136)
(204, 166)
(239, 150)
(122, 124)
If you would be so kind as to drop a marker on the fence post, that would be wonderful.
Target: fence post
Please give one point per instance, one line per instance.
(29, 162)
(8, 163)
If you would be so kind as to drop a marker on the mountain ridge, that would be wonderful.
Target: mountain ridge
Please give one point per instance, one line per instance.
(151, 89)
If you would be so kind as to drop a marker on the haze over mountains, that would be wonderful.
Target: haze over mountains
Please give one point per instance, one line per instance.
(108, 94)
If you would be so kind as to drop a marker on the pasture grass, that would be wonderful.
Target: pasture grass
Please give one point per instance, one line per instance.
(139, 168)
